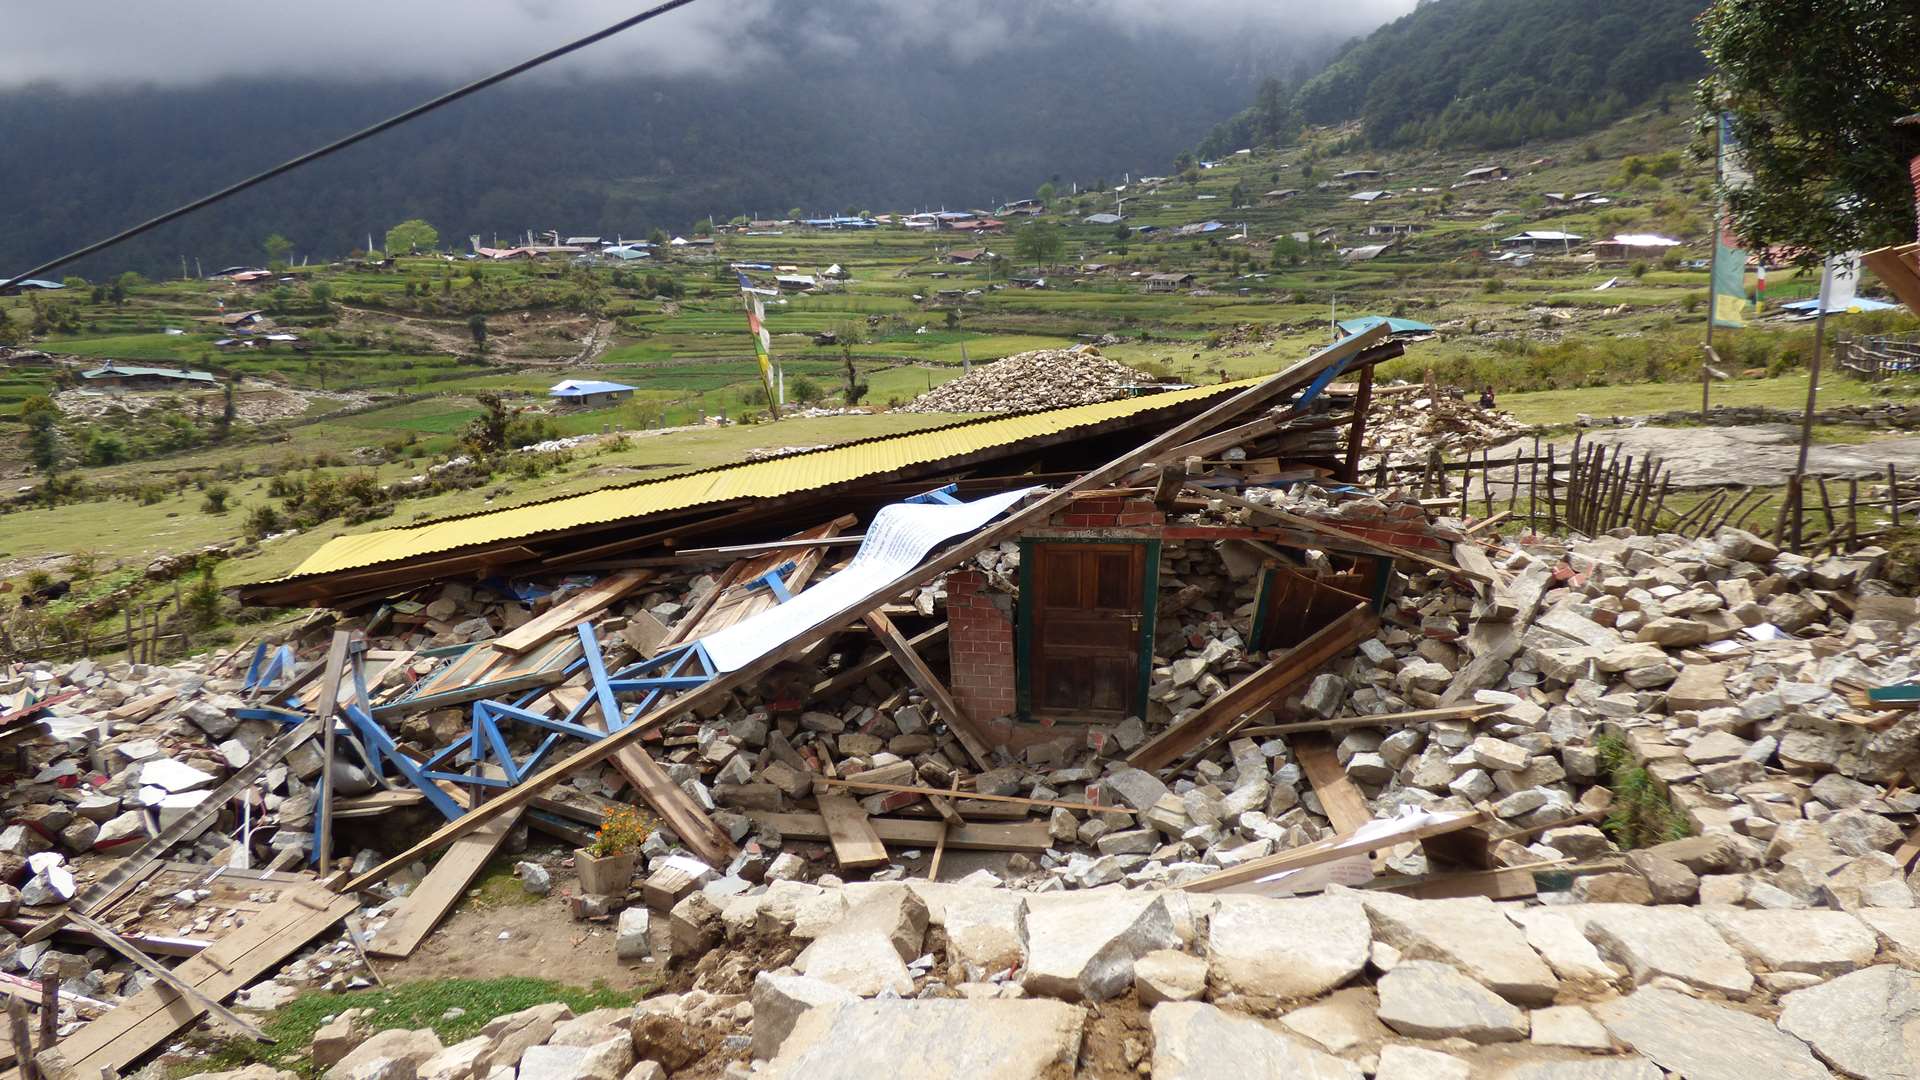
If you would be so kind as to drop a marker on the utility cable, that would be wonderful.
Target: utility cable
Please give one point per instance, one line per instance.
(363, 134)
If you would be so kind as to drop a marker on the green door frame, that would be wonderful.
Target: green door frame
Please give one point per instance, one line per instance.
(1149, 615)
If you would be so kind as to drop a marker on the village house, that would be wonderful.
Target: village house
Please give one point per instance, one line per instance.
(576, 394)
(1393, 228)
(1168, 282)
(1370, 196)
(1536, 239)
(1486, 172)
(115, 378)
(1357, 174)
(1279, 195)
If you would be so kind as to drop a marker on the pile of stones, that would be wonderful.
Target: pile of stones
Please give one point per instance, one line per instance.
(1042, 379)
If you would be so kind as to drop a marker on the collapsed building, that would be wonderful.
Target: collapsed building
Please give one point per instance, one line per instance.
(1156, 700)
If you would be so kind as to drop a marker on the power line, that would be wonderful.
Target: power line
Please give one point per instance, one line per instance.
(447, 98)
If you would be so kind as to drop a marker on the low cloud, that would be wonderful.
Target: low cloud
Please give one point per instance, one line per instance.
(83, 44)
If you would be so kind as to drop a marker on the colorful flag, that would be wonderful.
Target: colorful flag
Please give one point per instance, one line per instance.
(1730, 306)
(762, 341)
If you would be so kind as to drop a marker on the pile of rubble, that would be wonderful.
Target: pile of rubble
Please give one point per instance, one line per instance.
(1042, 379)
(1407, 425)
(1706, 697)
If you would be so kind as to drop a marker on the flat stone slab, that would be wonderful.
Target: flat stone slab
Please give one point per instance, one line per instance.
(1195, 1041)
(1562, 942)
(950, 1039)
(1865, 1024)
(1704, 1041)
(1633, 1068)
(1469, 933)
(1810, 941)
(1423, 999)
(1677, 943)
(1898, 930)
(1082, 947)
(986, 928)
(1285, 949)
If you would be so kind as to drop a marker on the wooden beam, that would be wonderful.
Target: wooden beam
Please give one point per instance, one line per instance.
(1256, 691)
(1016, 836)
(1388, 720)
(855, 844)
(160, 971)
(1008, 528)
(577, 608)
(858, 673)
(970, 734)
(329, 702)
(423, 908)
(237, 960)
(1340, 798)
(931, 792)
(1325, 851)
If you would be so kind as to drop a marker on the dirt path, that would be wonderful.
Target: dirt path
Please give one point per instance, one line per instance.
(1760, 455)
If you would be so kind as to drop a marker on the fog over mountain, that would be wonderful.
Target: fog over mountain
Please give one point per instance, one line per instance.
(112, 112)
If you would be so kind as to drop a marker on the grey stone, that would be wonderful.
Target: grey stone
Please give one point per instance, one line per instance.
(1471, 934)
(1865, 1024)
(456, 1062)
(1083, 946)
(1427, 1000)
(1137, 788)
(1628, 1068)
(1341, 1021)
(1196, 1041)
(1169, 975)
(949, 1038)
(1704, 1041)
(1813, 942)
(1568, 1025)
(1286, 949)
(633, 938)
(1561, 942)
(513, 1033)
(1673, 942)
(778, 1003)
(534, 878)
(1417, 1063)
(1899, 932)
(986, 928)
(403, 1045)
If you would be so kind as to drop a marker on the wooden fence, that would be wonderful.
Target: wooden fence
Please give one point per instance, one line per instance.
(1878, 356)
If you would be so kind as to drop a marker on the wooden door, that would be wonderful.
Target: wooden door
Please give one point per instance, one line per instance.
(1087, 616)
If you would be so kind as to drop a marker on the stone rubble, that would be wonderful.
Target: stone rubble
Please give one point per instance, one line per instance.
(1041, 379)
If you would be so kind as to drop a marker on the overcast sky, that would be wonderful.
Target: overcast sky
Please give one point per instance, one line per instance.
(84, 43)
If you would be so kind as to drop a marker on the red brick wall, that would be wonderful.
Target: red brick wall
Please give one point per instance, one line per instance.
(979, 648)
(1105, 512)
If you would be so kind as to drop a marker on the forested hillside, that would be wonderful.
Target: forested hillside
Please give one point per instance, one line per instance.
(1486, 73)
(906, 126)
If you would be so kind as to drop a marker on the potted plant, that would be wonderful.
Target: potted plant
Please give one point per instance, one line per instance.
(606, 865)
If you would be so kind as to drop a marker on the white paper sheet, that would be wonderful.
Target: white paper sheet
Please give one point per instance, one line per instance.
(901, 535)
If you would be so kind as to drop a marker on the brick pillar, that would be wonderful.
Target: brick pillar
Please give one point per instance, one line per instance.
(979, 648)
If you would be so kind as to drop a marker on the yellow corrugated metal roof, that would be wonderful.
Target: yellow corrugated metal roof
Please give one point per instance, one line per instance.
(755, 479)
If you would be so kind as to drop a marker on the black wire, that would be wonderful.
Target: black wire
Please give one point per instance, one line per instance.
(341, 144)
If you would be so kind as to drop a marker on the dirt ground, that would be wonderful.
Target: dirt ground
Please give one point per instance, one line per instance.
(539, 939)
(1759, 455)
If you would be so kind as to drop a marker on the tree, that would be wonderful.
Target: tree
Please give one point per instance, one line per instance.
(278, 248)
(805, 391)
(1811, 90)
(1045, 192)
(703, 227)
(228, 414)
(487, 433)
(410, 236)
(855, 388)
(1038, 242)
(477, 326)
(658, 237)
(42, 420)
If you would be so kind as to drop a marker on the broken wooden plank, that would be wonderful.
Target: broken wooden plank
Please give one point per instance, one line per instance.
(1340, 798)
(575, 609)
(1368, 345)
(1385, 720)
(165, 974)
(855, 844)
(1344, 845)
(329, 703)
(971, 736)
(1505, 883)
(1016, 836)
(152, 1016)
(1256, 691)
(423, 908)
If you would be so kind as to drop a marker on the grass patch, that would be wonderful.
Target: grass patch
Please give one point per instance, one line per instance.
(422, 1004)
(498, 886)
(1642, 815)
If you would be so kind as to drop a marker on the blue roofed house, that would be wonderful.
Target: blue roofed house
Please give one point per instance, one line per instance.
(1396, 328)
(588, 393)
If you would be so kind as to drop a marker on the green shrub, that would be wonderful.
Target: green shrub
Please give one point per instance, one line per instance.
(216, 500)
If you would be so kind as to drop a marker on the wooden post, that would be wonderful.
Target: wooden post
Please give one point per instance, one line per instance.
(1826, 506)
(1533, 486)
(1553, 504)
(1893, 493)
(1357, 434)
(1853, 513)
(1486, 480)
(22, 1034)
(127, 613)
(1513, 489)
(49, 1011)
(1466, 484)
(1813, 370)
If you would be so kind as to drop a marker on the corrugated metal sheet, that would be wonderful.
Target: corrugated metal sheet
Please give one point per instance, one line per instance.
(752, 480)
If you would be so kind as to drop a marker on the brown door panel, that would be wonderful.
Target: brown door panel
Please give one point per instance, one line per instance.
(1087, 618)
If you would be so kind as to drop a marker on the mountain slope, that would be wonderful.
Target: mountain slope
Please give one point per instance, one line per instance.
(1493, 73)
